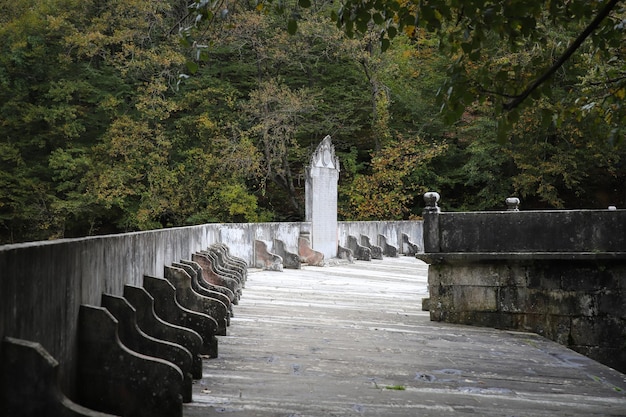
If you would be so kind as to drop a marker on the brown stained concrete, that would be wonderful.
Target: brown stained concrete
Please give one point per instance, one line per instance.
(351, 340)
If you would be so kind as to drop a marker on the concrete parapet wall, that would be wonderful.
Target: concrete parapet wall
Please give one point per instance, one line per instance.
(392, 230)
(533, 231)
(561, 274)
(43, 284)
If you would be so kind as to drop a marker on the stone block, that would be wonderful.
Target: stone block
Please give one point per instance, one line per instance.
(265, 259)
(585, 278)
(193, 270)
(513, 299)
(360, 252)
(613, 357)
(477, 299)
(547, 275)
(166, 307)
(558, 302)
(190, 299)
(493, 319)
(376, 251)
(611, 303)
(114, 379)
(552, 326)
(155, 326)
(599, 331)
(135, 339)
(204, 278)
(388, 250)
(308, 255)
(290, 260)
(29, 385)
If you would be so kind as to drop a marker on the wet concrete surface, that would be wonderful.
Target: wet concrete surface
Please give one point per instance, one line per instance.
(352, 340)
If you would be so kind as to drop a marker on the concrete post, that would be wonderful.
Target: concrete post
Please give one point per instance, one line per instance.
(321, 198)
(431, 222)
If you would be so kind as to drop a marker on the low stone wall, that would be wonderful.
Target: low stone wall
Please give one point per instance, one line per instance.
(392, 230)
(561, 274)
(43, 284)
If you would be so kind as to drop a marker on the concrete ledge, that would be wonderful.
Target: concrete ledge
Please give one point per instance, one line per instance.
(44, 283)
(464, 257)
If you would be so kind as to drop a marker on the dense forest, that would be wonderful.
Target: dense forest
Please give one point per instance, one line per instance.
(124, 115)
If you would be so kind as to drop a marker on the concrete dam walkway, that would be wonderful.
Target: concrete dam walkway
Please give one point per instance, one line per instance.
(352, 340)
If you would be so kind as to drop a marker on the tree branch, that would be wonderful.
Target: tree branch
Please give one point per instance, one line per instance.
(566, 55)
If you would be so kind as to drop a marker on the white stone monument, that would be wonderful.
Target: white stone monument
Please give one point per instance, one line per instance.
(321, 198)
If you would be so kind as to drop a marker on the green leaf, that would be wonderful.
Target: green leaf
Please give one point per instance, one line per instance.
(361, 25)
(384, 44)
(292, 26)
(304, 3)
(192, 67)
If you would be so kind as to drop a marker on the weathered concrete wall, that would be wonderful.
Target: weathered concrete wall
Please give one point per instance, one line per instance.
(561, 274)
(43, 284)
(533, 231)
(392, 230)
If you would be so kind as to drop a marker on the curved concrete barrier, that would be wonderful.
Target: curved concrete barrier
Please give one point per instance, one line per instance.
(135, 339)
(114, 379)
(170, 310)
(188, 298)
(155, 326)
(29, 385)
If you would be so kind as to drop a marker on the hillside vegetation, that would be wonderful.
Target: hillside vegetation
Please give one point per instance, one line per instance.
(124, 115)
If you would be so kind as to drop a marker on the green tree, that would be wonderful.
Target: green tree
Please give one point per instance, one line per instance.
(468, 32)
(399, 172)
(215, 161)
(275, 112)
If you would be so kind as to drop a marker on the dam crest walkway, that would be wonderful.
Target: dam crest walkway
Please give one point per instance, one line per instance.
(352, 340)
